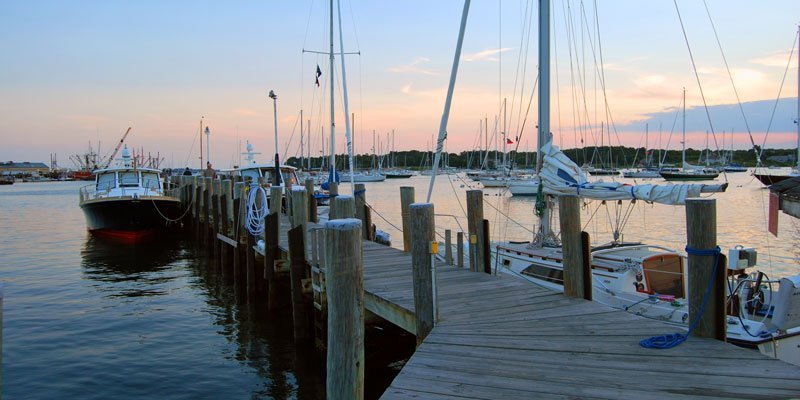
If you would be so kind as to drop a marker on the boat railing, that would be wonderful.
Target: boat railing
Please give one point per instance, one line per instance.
(91, 192)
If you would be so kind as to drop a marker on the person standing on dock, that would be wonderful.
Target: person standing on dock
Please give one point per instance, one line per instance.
(209, 172)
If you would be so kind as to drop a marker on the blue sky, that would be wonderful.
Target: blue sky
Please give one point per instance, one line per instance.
(79, 71)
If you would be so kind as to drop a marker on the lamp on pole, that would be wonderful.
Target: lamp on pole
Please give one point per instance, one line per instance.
(277, 175)
(208, 145)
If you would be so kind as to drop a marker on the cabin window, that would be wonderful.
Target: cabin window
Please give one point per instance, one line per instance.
(150, 180)
(545, 273)
(268, 174)
(106, 181)
(250, 175)
(664, 275)
(128, 179)
(290, 176)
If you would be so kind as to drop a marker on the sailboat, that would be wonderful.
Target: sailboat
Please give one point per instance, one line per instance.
(770, 179)
(648, 171)
(644, 279)
(688, 172)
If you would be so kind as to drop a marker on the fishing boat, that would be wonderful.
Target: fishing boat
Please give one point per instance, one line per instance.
(6, 180)
(265, 173)
(128, 202)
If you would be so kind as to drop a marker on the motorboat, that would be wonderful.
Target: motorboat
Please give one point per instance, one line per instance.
(128, 202)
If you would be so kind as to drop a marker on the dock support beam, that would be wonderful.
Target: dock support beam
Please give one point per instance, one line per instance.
(423, 235)
(569, 216)
(701, 234)
(474, 221)
(406, 198)
(345, 281)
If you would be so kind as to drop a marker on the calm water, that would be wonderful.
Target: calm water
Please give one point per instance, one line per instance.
(87, 319)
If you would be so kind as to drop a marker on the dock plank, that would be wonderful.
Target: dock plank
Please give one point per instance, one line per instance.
(501, 337)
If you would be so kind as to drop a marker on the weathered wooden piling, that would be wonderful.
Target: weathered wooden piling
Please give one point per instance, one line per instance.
(215, 212)
(343, 207)
(271, 254)
(275, 195)
(485, 247)
(586, 254)
(298, 266)
(570, 219)
(312, 202)
(448, 247)
(345, 291)
(423, 237)
(226, 221)
(474, 218)
(701, 235)
(460, 249)
(406, 198)
(361, 209)
(238, 205)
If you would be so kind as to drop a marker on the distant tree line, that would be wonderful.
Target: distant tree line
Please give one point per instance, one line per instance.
(621, 157)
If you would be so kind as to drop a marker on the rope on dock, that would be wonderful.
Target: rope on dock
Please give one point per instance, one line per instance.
(669, 340)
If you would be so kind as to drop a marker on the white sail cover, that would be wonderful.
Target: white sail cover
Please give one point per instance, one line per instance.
(561, 176)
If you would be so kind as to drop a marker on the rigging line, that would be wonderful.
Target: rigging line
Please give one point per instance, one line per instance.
(510, 218)
(669, 139)
(775, 106)
(697, 76)
(191, 149)
(725, 60)
(522, 61)
(591, 217)
(291, 137)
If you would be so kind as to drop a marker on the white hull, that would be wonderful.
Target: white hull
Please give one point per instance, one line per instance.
(361, 178)
(640, 174)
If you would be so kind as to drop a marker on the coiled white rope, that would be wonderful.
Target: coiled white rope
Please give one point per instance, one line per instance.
(257, 209)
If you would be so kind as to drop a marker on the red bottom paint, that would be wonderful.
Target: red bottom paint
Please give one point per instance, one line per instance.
(129, 237)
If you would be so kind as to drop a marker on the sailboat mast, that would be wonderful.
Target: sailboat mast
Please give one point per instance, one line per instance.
(798, 100)
(449, 99)
(332, 173)
(302, 148)
(683, 165)
(348, 128)
(201, 143)
(544, 99)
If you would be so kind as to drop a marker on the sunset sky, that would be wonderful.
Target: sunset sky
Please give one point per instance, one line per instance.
(81, 71)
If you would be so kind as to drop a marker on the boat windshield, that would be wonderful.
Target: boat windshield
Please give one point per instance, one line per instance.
(128, 179)
(106, 181)
(150, 180)
(250, 175)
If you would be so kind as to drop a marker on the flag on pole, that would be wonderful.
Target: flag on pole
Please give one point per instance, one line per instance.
(319, 73)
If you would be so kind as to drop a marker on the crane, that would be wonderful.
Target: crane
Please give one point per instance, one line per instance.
(116, 149)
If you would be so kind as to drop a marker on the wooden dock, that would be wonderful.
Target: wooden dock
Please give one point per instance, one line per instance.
(502, 337)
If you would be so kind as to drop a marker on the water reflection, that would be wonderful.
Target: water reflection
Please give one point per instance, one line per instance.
(130, 270)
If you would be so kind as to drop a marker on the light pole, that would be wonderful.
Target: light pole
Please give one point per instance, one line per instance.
(277, 176)
(208, 145)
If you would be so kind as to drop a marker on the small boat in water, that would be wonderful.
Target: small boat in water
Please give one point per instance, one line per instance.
(128, 202)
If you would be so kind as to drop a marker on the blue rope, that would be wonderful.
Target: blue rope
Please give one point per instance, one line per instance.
(669, 340)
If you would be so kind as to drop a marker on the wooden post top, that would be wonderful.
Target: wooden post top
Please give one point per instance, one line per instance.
(344, 224)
